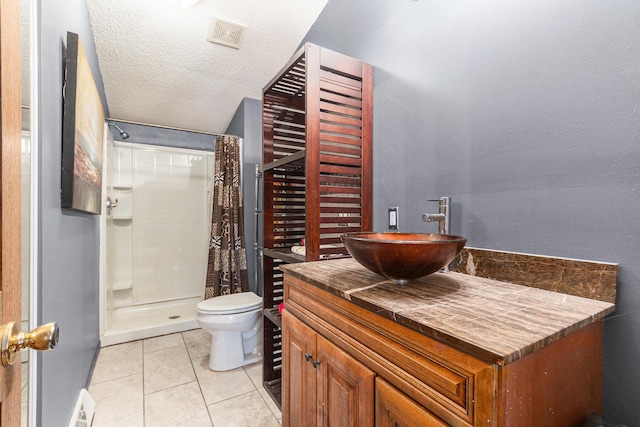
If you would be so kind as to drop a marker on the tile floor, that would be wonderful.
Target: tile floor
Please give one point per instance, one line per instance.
(165, 381)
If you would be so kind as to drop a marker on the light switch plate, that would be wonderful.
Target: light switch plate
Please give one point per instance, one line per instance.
(393, 218)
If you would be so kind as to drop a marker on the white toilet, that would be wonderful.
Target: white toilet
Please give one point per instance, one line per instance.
(235, 324)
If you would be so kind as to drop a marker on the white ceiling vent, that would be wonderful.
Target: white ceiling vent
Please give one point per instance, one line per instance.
(226, 33)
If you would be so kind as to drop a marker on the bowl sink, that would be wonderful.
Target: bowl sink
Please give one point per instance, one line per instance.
(403, 256)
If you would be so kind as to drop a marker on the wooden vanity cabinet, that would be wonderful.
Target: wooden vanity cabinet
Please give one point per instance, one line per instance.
(300, 383)
(395, 409)
(362, 369)
(374, 371)
(323, 384)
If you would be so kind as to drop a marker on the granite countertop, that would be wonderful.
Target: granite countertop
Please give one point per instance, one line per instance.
(496, 321)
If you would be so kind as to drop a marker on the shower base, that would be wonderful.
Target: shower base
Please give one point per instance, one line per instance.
(150, 320)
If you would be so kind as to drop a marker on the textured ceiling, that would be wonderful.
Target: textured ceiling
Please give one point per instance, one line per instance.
(159, 68)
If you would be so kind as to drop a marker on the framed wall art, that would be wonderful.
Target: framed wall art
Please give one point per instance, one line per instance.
(82, 133)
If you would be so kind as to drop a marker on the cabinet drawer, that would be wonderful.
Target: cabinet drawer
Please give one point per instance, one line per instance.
(394, 408)
(456, 387)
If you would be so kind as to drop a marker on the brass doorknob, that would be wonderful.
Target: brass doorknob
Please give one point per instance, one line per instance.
(43, 338)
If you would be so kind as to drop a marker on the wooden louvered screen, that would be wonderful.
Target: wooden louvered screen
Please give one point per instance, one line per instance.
(317, 152)
(283, 113)
(338, 158)
(272, 334)
(317, 165)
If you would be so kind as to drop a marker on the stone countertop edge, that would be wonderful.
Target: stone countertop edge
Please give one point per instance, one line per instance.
(493, 331)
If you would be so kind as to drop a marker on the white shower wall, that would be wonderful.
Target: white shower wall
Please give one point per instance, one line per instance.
(170, 227)
(157, 236)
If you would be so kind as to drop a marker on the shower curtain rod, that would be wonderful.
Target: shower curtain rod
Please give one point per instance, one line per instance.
(163, 127)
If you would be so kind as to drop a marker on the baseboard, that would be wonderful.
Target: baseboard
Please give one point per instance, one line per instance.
(93, 365)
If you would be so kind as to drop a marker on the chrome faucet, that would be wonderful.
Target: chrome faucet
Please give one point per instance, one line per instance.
(443, 217)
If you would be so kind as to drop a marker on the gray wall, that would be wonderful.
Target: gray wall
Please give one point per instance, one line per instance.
(168, 137)
(526, 114)
(68, 247)
(247, 124)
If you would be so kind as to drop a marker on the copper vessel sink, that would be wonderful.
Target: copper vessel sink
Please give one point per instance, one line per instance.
(403, 256)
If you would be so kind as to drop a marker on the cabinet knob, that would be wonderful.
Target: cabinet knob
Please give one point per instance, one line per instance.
(316, 363)
(307, 357)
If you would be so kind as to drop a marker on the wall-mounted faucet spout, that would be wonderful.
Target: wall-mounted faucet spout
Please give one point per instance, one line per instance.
(443, 217)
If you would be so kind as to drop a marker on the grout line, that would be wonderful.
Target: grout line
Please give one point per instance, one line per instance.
(172, 387)
(268, 406)
(206, 407)
(231, 398)
(262, 396)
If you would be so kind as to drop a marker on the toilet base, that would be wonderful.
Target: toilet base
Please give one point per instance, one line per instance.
(227, 352)
(220, 367)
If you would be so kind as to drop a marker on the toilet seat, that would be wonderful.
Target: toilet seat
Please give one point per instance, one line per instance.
(230, 304)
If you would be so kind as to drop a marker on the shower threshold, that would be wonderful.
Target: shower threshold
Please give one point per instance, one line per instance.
(150, 320)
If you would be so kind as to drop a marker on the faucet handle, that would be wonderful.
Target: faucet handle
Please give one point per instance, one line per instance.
(443, 217)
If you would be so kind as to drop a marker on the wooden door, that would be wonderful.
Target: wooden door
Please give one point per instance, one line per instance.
(10, 188)
(298, 372)
(345, 388)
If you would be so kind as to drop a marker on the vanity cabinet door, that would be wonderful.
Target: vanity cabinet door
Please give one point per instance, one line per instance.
(299, 377)
(321, 384)
(395, 409)
(345, 388)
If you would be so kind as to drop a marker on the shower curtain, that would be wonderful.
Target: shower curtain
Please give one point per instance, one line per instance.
(227, 265)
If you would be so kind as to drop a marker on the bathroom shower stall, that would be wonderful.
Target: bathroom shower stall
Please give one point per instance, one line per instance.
(154, 232)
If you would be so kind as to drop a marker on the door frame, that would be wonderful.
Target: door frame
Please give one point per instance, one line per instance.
(34, 200)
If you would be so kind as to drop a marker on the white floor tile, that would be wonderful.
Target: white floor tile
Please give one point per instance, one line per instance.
(119, 402)
(166, 381)
(255, 373)
(198, 343)
(178, 406)
(217, 386)
(167, 368)
(247, 410)
(163, 342)
(118, 361)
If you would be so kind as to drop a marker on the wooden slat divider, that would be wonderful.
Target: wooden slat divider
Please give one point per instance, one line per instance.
(340, 99)
(331, 87)
(340, 209)
(316, 165)
(340, 170)
(344, 130)
(341, 109)
(334, 189)
(341, 79)
(332, 137)
(340, 120)
(340, 160)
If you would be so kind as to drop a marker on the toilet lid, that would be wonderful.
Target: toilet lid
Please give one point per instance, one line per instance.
(232, 303)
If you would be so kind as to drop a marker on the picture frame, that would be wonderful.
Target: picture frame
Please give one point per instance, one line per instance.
(82, 134)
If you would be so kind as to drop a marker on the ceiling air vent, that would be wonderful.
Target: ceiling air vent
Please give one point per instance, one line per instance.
(226, 33)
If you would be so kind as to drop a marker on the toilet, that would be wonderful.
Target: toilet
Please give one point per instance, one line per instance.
(235, 324)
